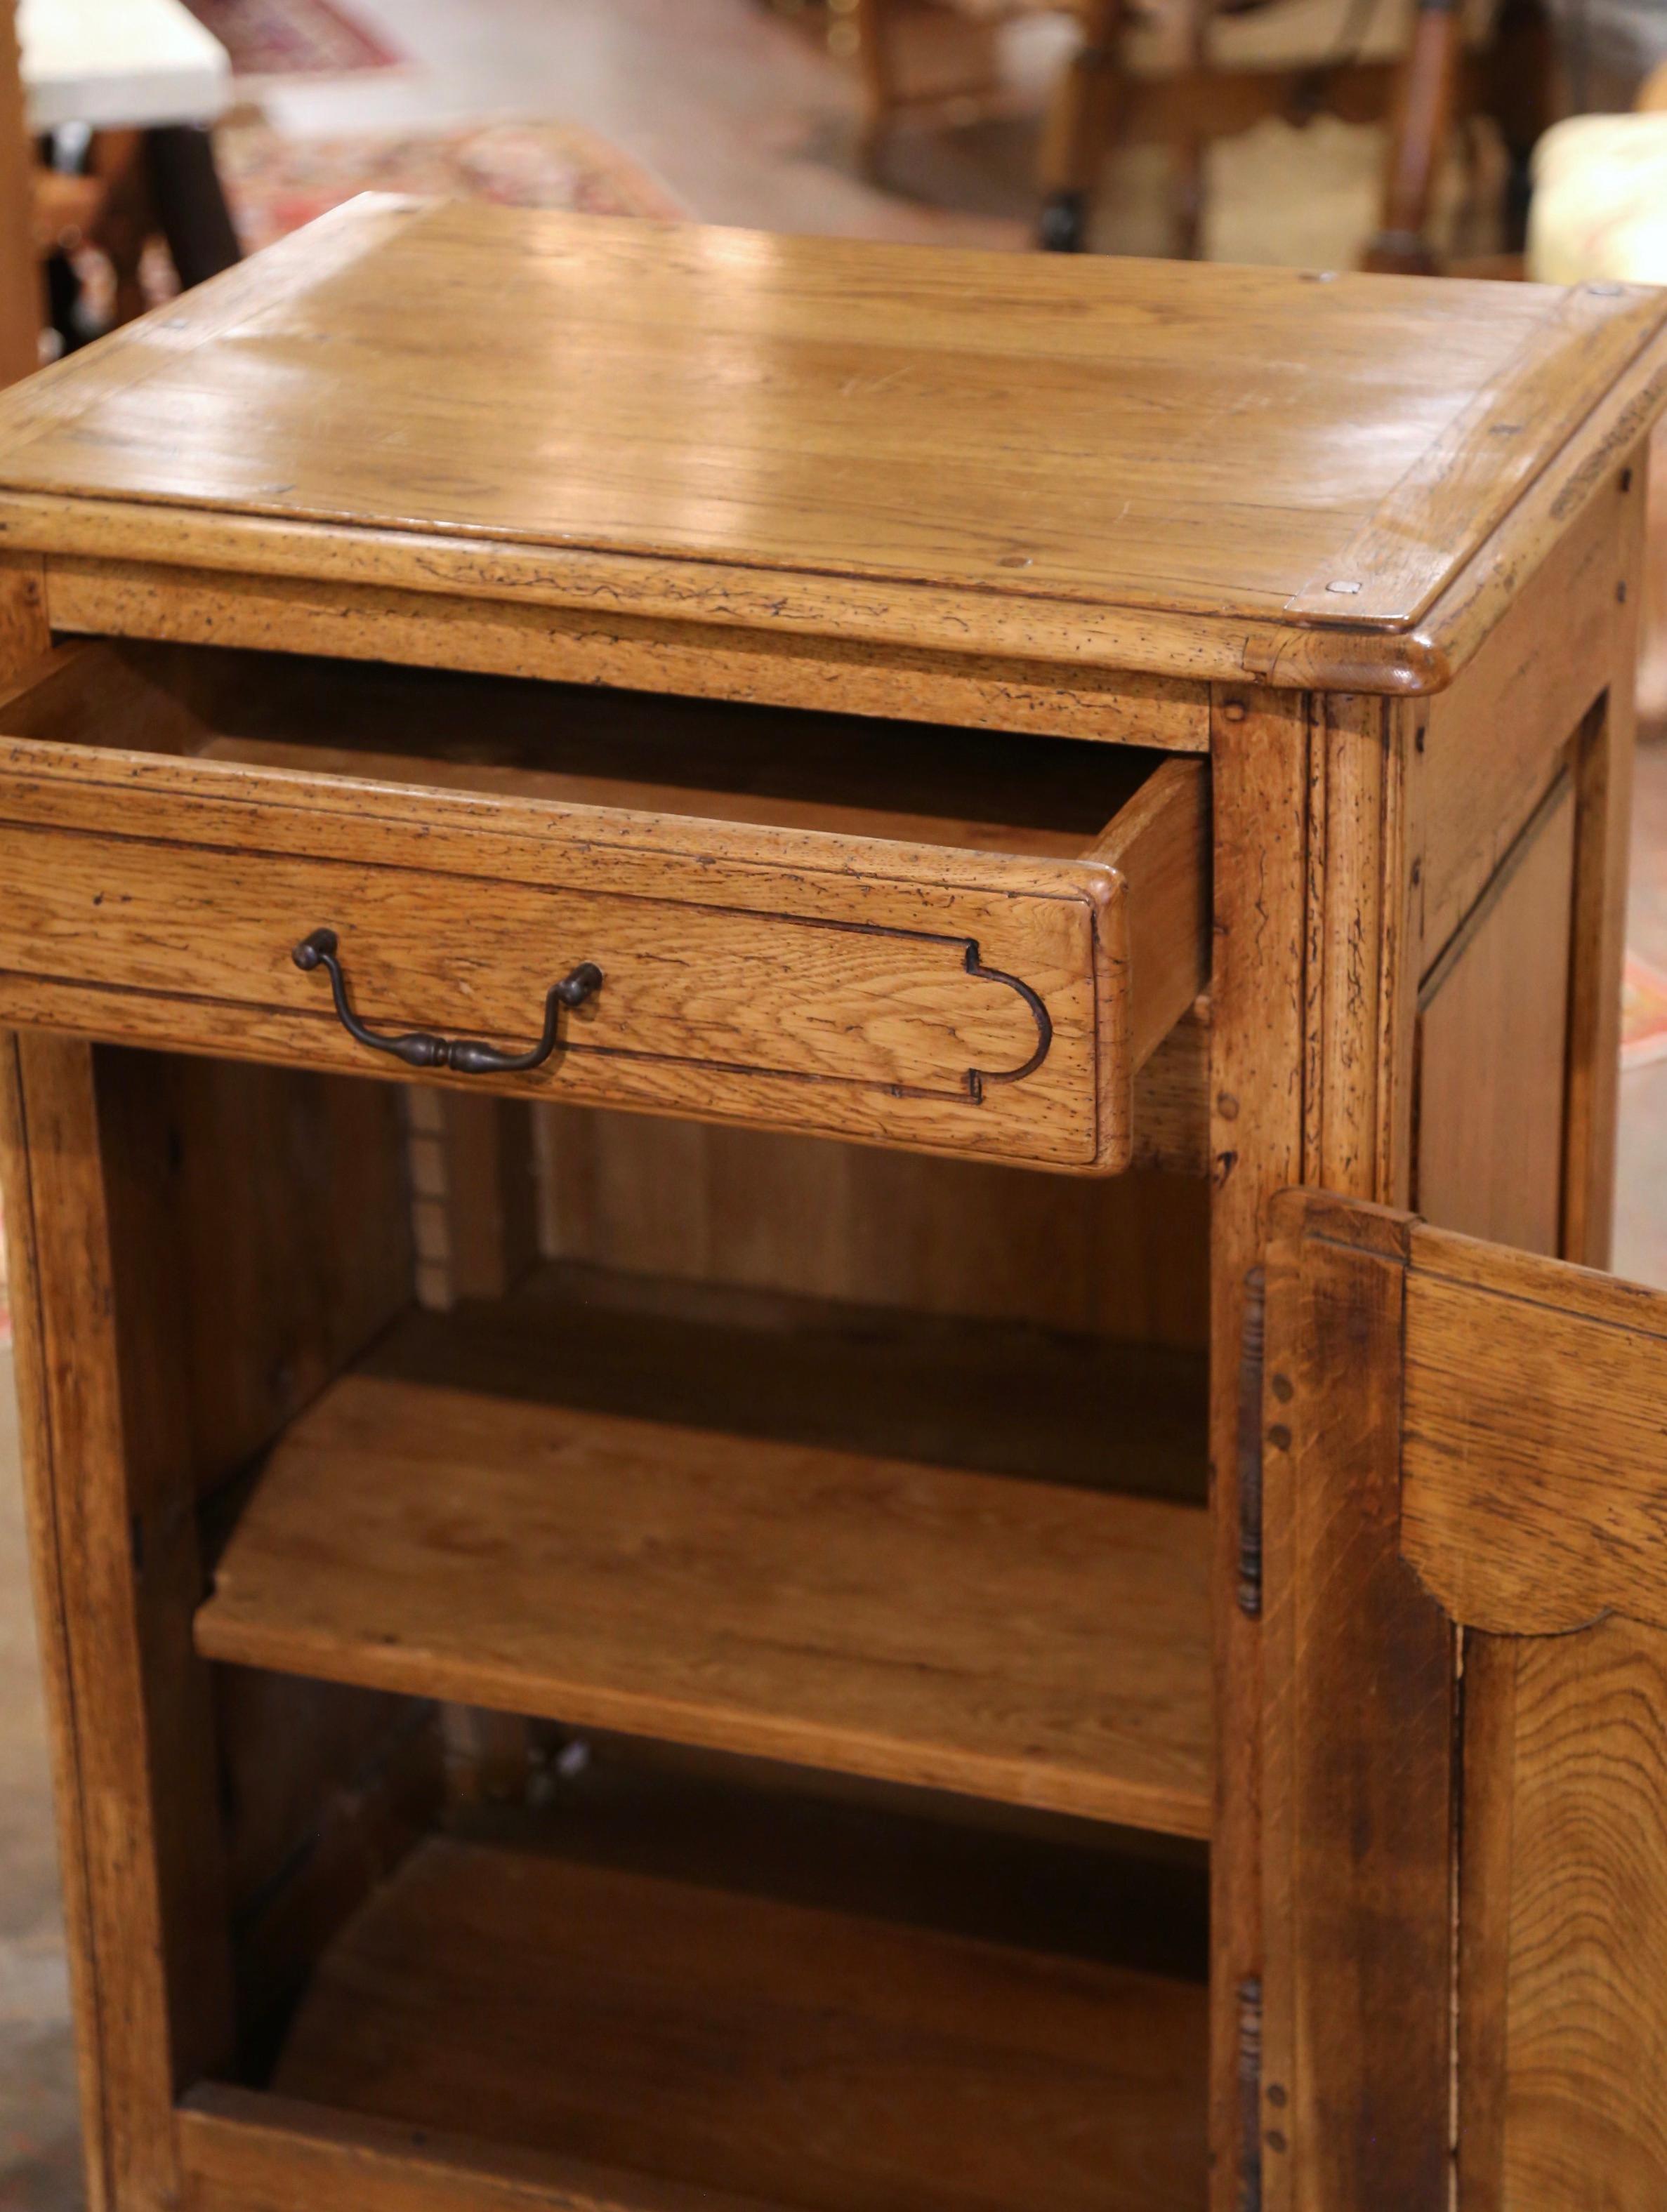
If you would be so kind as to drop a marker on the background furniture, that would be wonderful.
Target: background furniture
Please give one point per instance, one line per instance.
(20, 279)
(691, 1588)
(1183, 73)
(120, 64)
(125, 90)
(1599, 215)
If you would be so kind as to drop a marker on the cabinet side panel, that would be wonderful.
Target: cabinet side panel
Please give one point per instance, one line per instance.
(1602, 761)
(1551, 689)
(1492, 1027)
(1495, 740)
(288, 1226)
(281, 1235)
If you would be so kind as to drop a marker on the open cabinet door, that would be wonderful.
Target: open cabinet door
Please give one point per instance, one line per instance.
(1463, 1535)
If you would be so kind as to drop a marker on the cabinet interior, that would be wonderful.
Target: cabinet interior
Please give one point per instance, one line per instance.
(922, 782)
(710, 1681)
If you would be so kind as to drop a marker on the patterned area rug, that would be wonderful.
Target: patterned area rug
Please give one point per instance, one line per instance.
(1643, 1014)
(292, 38)
(275, 184)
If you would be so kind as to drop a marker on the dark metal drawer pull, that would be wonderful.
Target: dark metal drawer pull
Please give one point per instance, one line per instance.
(464, 1055)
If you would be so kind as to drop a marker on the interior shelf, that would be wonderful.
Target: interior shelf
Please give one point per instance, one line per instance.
(767, 2048)
(461, 1518)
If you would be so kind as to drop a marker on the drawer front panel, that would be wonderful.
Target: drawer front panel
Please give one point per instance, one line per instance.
(857, 987)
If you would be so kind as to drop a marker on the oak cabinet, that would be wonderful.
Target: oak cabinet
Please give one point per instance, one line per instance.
(811, 1068)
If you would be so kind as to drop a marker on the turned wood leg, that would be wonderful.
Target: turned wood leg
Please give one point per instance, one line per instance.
(1423, 122)
(1079, 128)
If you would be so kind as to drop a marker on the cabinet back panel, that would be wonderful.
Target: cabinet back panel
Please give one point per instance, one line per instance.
(1127, 1257)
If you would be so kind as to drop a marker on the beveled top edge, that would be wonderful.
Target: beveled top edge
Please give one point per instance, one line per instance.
(1313, 637)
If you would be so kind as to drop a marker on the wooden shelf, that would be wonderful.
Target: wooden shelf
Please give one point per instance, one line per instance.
(1014, 1638)
(773, 2051)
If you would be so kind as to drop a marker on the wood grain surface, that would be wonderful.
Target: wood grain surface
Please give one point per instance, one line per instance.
(844, 437)
(244, 2150)
(1311, 1082)
(996, 1395)
(1514, 1406)
(1258, 1056)
(749, 2045)
(275, 602)
(1016, 1640)
(1493, 1047)
(1582, 2112)
(1498, 738)
(872, 980)
(1536, 1399)
(1123, 1257)
(1359, 1735)
(1600, 759)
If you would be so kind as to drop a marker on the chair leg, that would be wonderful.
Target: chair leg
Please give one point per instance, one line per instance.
(189, 203)
(1517, 85)
(1189, 157)
(1079, 130)
(876, 67)
(1191, 144)
(1422, 127)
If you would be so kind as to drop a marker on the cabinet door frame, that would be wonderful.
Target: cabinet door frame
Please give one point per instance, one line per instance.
(1464, 1812)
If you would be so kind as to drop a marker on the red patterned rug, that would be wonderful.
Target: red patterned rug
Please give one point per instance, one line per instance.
(275, 184)
(292, 38)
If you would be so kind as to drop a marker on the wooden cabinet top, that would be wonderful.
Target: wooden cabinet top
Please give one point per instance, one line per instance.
(1196, 471)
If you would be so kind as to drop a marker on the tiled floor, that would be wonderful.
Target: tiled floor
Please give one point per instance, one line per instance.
(747, 123)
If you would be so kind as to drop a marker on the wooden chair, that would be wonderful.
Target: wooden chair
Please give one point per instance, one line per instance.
(129, 187)
(1184, 72)
(1506, 75)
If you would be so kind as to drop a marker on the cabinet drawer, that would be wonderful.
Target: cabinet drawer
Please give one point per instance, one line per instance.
(799, 921)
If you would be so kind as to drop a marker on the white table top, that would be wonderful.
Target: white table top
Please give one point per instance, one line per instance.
(119, 63)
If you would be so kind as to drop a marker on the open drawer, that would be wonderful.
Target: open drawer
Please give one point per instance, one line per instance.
(914, 935)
